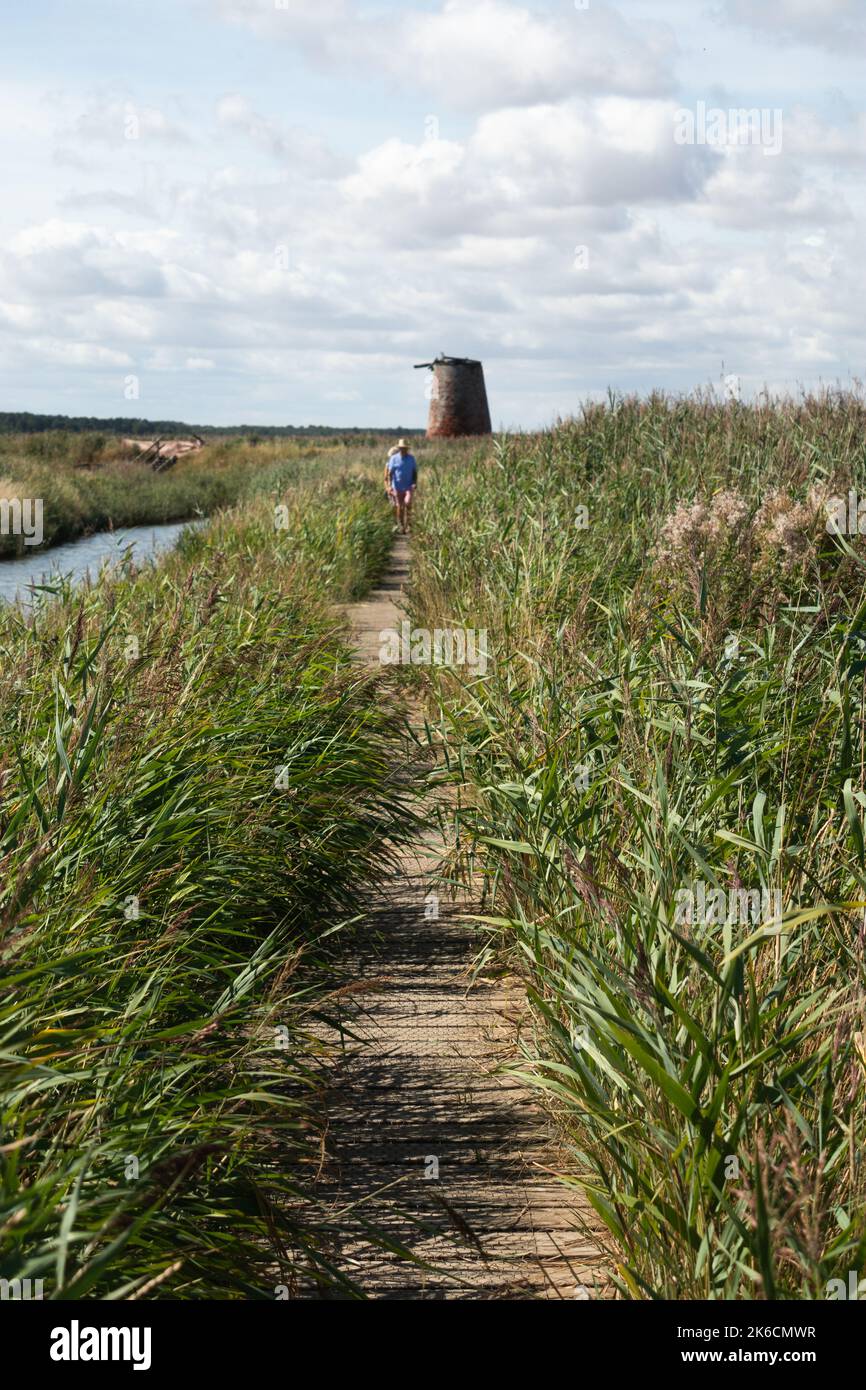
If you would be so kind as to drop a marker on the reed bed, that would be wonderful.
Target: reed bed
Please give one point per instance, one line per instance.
(197, 785)
(88, 483)
(673, 715)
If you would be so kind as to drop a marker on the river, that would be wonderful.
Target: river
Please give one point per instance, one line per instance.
(84, 556)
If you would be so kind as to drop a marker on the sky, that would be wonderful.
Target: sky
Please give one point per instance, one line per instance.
(266, 211)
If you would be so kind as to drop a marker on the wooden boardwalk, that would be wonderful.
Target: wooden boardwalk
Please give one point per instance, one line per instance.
(430, 1142)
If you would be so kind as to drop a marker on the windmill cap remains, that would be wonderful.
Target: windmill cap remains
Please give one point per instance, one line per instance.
(444, 361)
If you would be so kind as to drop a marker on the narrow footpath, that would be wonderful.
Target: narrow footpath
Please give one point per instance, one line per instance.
(428, 1140)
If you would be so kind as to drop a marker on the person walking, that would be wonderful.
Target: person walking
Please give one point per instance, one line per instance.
(401, 479)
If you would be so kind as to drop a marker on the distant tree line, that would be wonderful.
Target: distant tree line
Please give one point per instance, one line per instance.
(24, 422)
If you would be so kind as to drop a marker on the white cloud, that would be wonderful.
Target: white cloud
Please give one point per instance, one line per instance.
(809, 136)
(117, 120)
(396, 171)
(524, 169)
(58, 259)
(475, 54)
(484, 53)
(833, 24)
(247, 254)
(65, 352)
(296, 146)
(749, 192)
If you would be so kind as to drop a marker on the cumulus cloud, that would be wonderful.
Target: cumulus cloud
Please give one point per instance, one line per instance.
(748, 192)
(475, 54)
(525, 169)
(483, 53)
(247, 258)
(58, 259)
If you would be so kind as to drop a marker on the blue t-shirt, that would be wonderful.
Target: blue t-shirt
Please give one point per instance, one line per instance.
(403, 471)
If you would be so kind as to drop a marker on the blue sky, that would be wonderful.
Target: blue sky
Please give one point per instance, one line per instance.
(265, 211)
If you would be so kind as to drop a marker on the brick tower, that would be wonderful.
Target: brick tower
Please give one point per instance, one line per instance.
(458, 399)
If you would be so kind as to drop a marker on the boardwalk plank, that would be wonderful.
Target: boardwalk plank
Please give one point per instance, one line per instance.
(430, 1142)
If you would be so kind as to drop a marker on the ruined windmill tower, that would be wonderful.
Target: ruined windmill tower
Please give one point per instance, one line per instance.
(458, 400)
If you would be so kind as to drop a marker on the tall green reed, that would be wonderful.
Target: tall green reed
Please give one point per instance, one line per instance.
(623, 753)
(196, 786)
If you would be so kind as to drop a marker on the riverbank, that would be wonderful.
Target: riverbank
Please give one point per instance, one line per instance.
(56, 487)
